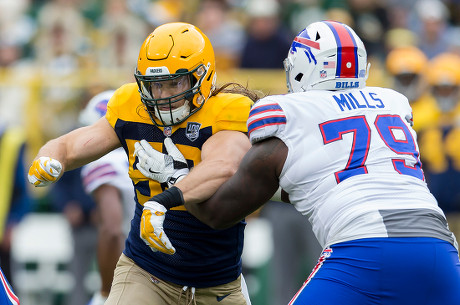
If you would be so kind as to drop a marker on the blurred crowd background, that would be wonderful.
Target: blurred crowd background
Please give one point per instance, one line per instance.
(57, 54)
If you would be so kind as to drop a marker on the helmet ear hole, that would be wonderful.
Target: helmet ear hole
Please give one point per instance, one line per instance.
(209, 77)
(299, 77)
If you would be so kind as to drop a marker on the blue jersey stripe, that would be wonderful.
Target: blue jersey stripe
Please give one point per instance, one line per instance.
(260, 109)
(273, 120)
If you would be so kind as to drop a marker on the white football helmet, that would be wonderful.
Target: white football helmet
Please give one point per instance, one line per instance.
(96, 108)
(327, 55)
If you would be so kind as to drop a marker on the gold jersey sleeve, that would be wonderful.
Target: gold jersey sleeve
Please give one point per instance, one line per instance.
(126, 114)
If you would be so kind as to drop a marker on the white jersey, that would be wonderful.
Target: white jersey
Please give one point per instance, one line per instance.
(112, 169)
(353, 164)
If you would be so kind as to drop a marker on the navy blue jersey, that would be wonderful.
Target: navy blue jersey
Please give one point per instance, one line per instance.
(204, 257)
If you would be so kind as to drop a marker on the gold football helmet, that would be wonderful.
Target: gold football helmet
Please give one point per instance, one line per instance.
(176, 66)
(407, 66)
(443, 75)
(406, 60)
(444, 69)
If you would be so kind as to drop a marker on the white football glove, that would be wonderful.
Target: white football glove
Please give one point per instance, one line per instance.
(97, 299)
(152, 232)
(44, 171)
(170, 167)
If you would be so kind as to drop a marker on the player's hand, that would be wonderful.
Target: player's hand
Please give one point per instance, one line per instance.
(44, 171)
(97, 299)
(170, 167)
(152, 232)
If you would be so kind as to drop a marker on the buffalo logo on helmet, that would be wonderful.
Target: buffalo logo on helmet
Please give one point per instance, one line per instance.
(303, 41)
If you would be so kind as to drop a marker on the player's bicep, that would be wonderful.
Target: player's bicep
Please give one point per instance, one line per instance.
(260, 169)
(227, 145)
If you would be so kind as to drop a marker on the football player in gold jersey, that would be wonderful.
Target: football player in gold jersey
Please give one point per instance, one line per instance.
(174, 101)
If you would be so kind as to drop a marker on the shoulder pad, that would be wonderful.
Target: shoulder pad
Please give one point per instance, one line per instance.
(266, 120)
(229, 110)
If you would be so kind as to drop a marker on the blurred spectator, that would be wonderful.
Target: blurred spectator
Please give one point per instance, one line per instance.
(339, 14)
(407, 68)
(61, 40)
(16, 31)
(399, 13)
(370, 23)
(440, 143)
(267, 42)
(16, 27)
(14, 74)
(60, 49)
(119, 32)
(454, 41)
(443, 75)
(163, 11)
(296, 14)
(406, 65)
(215, 19)
(430, 23)
(399, 38)
(15, 200)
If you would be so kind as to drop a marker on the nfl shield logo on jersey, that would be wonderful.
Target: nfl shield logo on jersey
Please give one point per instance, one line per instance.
(192, 131)
(167, 131)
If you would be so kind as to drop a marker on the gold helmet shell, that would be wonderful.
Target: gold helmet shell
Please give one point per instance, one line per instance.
(173, 50)
(406, 60)
(444, 69)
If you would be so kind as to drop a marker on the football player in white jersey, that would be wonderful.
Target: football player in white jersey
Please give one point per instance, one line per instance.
(346, 156)
(108, 182)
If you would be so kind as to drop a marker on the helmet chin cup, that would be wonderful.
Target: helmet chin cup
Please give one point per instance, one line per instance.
(173, 116)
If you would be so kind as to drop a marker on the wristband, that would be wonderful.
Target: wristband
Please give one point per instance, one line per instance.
(170, 198)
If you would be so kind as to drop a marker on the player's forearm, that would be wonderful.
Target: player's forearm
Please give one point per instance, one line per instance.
(68, 150)
(232, 202)
(80, 146)
(255, 182)
(55, 149)
(221, 156)
(203, 181)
